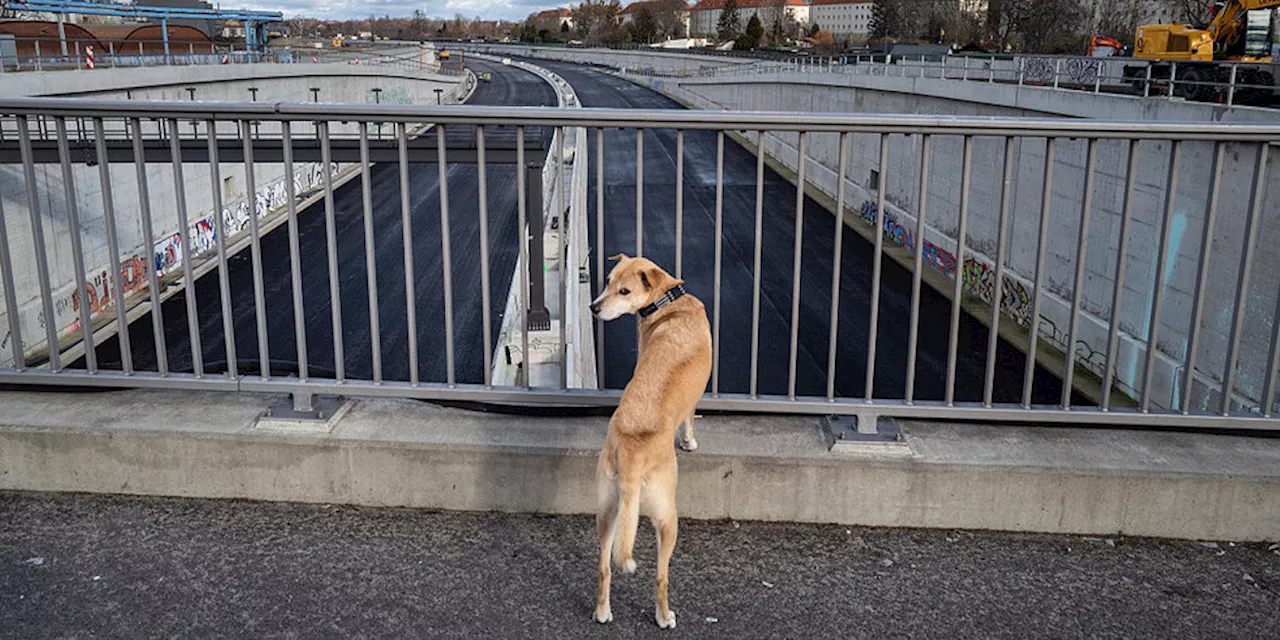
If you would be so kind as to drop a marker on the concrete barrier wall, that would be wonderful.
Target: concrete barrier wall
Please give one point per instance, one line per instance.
(800, 92)
(269, 195)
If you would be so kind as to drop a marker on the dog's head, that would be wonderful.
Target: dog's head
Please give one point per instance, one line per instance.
(633, 284)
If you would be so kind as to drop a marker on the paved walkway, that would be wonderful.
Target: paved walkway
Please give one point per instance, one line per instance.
(95, 566)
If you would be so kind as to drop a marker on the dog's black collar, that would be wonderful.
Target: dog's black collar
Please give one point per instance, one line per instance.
(670, 296)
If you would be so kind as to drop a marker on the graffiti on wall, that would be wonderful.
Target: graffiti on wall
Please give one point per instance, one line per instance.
(166, 254)
(980, 280)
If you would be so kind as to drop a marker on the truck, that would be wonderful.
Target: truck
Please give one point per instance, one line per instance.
(1198, 58)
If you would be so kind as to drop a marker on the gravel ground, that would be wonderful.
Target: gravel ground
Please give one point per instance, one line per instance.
(103, 566)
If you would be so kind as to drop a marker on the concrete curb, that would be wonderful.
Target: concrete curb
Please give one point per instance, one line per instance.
(410, 454)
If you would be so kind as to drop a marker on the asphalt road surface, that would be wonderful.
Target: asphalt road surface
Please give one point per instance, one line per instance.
(128, 567)
(509, 86)
(597, 89)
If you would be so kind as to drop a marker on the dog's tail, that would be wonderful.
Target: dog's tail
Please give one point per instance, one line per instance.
(624, 540)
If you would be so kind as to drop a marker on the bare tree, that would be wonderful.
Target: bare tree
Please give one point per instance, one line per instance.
(1046, 26)
(669, 17)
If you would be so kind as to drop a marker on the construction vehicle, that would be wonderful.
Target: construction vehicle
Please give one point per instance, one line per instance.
(1237, 31)
(1104, 47)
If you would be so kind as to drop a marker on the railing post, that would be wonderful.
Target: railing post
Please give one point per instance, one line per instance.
(1057, 71)
(1022, 66)
(1097, 77)
(965, 74)
(111, 49)
(1173, 76)
(39, 62)
(1231, 86)
(1146, 85)
(539, 318)
(991, 66)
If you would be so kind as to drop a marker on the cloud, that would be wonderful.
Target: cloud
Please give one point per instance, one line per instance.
(352, 9)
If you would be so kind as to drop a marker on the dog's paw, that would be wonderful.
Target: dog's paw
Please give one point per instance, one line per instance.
(629, 566)
(689, 444)
(668, 623)
(604, 616)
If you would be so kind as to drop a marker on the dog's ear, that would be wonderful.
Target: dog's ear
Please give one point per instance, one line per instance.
(619, 257)
(655, 278)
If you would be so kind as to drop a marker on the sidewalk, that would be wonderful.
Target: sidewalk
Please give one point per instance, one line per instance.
(83, 565)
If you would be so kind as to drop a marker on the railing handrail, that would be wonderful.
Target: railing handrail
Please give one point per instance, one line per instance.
(650, 118)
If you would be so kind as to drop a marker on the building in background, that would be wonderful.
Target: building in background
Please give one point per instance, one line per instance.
(706, 14)
(843, 18)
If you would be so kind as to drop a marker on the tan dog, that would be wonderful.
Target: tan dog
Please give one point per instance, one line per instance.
(637, 468)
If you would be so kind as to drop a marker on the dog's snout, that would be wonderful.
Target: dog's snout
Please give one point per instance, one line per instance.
(595, 308)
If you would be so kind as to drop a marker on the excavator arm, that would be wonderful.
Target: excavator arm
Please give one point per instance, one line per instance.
(1230, 20)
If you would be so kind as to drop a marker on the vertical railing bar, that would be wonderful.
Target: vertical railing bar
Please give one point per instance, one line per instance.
(10, 295)
(1153, 332)
(877, 259)
(113, 248)
(1121, 260)
(37, 233)
(836, 258)
(184, 231)
(997, 287)
(795, 275)
(1246, 258)
(77, 247)
(370, 266)
(224, 278)
(600, 251)
(562, 260)
(1037, 295)
(255, 248)
(1206, 251)
(755, 287)
(410, 273)
(446, 255)
(522, 205)
(639, 193)
(1269, 393)
(335, 299)
(295, 254)
(149, 241)
(719, 252)
(1082, 254)
(679, 204)
(484, 249)
(958, 290)
(913, 333)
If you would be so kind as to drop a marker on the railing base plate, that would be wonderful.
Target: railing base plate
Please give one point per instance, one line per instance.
(864, 433)
(325, 414)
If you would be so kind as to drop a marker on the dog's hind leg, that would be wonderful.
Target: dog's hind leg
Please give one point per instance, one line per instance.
(662, 509)
(687, 441)
(607, 530)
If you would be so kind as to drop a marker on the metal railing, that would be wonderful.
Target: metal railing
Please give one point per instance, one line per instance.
(1231, 83)
(45, 54)
(1220, 366)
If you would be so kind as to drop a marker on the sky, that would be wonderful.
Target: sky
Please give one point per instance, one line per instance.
(350, 9)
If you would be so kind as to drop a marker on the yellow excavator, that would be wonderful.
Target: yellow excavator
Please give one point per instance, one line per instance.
(1236, 31)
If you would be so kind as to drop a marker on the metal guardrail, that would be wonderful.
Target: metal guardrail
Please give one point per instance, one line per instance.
(1243, 82)
(311, 122)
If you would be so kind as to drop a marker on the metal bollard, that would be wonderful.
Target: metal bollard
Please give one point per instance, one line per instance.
(1231, 87)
